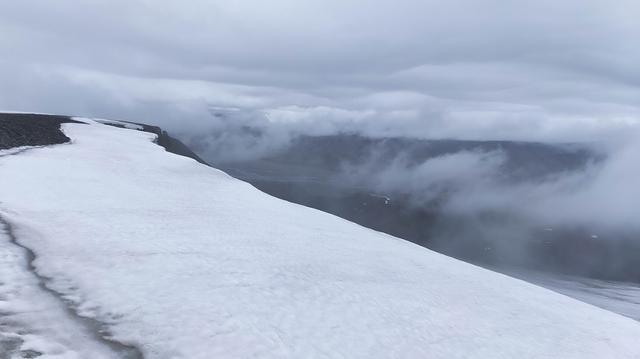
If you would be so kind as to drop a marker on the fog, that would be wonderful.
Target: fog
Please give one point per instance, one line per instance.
(610, 197)
(601, 195)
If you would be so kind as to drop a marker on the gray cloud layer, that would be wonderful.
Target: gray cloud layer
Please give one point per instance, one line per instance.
(543, 70)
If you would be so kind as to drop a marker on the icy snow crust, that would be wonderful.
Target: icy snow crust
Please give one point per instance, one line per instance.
(184, 261)
(32, 321)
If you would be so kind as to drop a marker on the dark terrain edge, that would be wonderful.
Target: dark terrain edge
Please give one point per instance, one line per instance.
(170, 144)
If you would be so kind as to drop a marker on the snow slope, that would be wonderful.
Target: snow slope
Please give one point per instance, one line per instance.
(184, 261)
(33, 321)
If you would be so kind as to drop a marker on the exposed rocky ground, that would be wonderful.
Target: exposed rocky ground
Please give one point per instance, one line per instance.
(23, 129)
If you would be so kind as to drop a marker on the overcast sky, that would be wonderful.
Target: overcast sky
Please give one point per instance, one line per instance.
(550, 70)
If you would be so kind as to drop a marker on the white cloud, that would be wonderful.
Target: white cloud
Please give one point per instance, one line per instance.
(535, 70)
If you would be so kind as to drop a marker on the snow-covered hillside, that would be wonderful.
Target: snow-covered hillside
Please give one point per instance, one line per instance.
(182, 261)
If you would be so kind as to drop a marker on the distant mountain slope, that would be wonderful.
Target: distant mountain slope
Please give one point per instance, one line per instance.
(523, 159)
(183, 261)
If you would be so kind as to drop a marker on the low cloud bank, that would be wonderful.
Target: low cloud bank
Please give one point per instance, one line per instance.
(602, 194)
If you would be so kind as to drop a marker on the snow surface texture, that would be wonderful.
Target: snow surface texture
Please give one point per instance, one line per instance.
(619, 297)
(184, 261)
(33, 323)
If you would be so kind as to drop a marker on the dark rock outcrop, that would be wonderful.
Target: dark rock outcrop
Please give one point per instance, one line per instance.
(25, 129)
